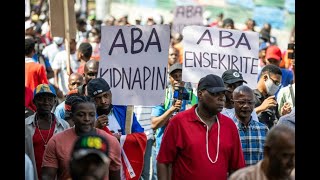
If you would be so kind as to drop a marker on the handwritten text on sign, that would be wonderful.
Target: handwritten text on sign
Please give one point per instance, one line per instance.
(187, 15)
(215, 50)
(134, 62)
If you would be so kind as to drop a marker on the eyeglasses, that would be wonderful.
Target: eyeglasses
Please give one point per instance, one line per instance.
(274, 81)
(243, 102)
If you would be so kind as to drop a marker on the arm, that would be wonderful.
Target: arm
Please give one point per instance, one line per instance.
(56, 78)
(266, 104)
(164, 171)
(158, 122)
(49, 173)
(50, 162)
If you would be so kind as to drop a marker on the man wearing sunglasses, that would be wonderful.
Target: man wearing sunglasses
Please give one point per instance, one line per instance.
(266, 105)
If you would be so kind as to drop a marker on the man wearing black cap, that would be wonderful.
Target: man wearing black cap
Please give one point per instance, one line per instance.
(112, 118)
(161, 114)
(90, 160)
(110, 115)
(42, 125)
(201, 143)
(232, 79)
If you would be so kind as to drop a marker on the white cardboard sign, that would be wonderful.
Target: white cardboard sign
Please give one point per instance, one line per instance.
(185, 16)
(215, 50)
(134, 62)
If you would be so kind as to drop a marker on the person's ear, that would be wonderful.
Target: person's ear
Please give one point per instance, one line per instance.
(265, 77)
(199, 94)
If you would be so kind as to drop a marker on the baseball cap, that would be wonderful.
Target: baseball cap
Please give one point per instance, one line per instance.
(232, 76)
(273, 52)
(58, 40)
(174, 67)
(44, 89)
(28, 24)
(97, 86)
(211, 83)
(91, 144)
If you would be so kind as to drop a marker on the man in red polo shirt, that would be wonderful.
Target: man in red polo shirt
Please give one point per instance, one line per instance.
(201, 143)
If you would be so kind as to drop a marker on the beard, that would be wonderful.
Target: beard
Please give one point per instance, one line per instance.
(101, 111)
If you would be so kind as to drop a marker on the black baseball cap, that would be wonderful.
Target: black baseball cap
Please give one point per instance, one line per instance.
(97, 86)
(91, 143)
(232, 76)
(212, 83)
(176, 66)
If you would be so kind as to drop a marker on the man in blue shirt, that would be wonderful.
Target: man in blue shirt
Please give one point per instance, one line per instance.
(161, 114)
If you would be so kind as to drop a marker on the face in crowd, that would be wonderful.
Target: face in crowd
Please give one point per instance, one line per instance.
(83, 114)
(90, 70)
(173, 56)
(175, 78)
(244, 102)
(212, 102)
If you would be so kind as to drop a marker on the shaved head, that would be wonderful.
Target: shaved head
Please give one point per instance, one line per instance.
(90, 70)
(75, 80)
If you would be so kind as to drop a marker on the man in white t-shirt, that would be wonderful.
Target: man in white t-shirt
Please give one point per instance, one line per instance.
(59, 67)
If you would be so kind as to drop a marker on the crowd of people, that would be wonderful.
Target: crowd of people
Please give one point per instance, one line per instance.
(219, 128)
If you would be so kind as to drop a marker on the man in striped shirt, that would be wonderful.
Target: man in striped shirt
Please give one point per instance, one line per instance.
(252, 133)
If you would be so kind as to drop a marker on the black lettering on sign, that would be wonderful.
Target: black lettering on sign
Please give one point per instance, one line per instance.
(123, 44)
(179, 11)
(203, 39)
(156, 43)
(243, 36)
(225, 35)
(136, 41)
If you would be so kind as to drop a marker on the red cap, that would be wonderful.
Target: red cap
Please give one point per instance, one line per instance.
(273, 52)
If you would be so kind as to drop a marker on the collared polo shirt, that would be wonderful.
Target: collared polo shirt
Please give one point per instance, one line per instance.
(184, 146)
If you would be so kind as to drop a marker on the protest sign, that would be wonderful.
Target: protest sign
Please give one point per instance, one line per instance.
(134, 62)
(185, 16)
(27, 8)
(215, 50)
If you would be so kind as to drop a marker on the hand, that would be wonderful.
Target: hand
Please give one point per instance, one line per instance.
(102, 121)
(117, 135)
(286, 108)
(268, 103)
(177, 105)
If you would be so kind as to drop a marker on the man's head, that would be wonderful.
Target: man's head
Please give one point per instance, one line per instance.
(99, 90)
(243, 98)
(29, 45)
(44, 98)
(29, 28)
(270, 79)
(228, 23)
(173, 56)
(83, 113)
(90, 158)
(175, 75)
(75, 80)
(211, 94)
(279, 152)
(232, 79)
(58, 40)
(67, 105)
(273, 55)
(90, 70)
(84, 51)
(73, 46)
